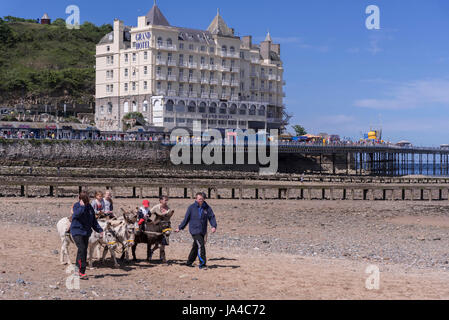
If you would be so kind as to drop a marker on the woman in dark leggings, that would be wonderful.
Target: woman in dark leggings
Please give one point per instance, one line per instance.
(83, 221)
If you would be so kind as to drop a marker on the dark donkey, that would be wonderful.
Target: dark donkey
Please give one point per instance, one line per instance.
(156, 233)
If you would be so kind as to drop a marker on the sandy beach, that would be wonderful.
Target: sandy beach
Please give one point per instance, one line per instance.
(262, 250)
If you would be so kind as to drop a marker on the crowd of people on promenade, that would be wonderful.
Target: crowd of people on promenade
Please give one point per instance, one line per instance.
(86, 212)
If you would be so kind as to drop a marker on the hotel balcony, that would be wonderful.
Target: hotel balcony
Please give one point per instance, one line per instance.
(255, 61)
(161, 62)
(171, 63)
(161, 92)
(214, 95)
(204, 81)
(234, 55)
(235, 69)
(235, 97)
(213, 81)
(225, 83)
(254, 88)
(204, 66)
(161, 77)
(263, 76)
(204, 95)
(166, 47)
(272, 77)
(214, 67)
(183, 79)
(225, 69)
(172, 77)
(183, 64)
(235, 83)
(171, 93)
(272, 90)
(193, 79)
(193, 94)
(225, 96)
(254, 75)
(183, 94)
(193, 65)
(263, 89)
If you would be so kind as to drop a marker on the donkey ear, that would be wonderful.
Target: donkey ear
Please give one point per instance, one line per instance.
(170, 214)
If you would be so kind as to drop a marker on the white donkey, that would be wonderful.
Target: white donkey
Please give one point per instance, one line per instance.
(109, 240)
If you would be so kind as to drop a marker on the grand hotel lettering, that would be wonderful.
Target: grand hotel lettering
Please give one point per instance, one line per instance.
(143, 40)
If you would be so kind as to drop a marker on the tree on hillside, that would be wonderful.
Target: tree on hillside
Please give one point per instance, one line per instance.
(300, 131)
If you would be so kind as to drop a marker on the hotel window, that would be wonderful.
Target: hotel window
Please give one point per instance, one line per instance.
(102, 109)
(169, 86)
(126, 87)
(170, 57)
(158, 71)
(190, 74)
(112, 88)
(108, 48)
(223, 76)
(190, 88)
(203, 75)
(145, 85)
(169, 72)
(126, 72)
(212, 75)
(126, 107)
(232, 77)
(134, 86)
(211, 50)
(232, 91)
(190, 59)
(169, 43)
(232, 50)
(159, 56)
(181, 74)
(223, 63)
(191, 47)
(134, 72)
(159, 85)
(145, 55)
(181, 88)
(242, 55)
(203, 48)
(212, 62)
(202, 89)
(134, 57)
(145, 70)
(145, 106)
(159, 41)
(181, 46)
(109, 107)
(271, 72)
(181, 59)
(242, 86)
(134, 106)
(126, 57)
(203, 60)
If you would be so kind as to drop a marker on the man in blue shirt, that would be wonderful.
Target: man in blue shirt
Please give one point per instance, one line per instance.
(197, 216)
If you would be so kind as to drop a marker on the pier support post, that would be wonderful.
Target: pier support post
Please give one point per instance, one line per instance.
(257, 194)
(51, 191)
(22, 191)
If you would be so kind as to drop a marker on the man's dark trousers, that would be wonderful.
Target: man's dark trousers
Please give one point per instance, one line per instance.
(81, 257)
(198, 250)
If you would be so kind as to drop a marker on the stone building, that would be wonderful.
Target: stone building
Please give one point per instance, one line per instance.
(174, 76)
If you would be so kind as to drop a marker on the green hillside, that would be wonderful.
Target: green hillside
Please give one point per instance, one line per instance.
(47, 64)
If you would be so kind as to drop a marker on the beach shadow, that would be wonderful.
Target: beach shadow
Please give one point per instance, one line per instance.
(216, 266)
(102, 276)
(222, 259)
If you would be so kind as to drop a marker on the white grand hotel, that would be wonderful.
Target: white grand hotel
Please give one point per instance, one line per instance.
(174, 76)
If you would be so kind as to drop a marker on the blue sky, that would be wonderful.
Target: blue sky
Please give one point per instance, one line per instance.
(341, 77)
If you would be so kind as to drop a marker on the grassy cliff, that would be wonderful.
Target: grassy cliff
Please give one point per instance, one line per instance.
(47, 63)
